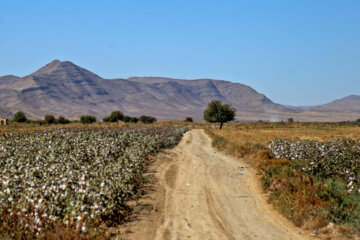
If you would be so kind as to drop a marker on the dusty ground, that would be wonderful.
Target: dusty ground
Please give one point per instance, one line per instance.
(202, 194)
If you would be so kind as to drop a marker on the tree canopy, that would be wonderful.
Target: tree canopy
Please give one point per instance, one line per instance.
(62, 120)
(49, 119)
(217, 112)
(115, 116)
(147, 119)
(20, 117)
(87, 119)
(188, 119)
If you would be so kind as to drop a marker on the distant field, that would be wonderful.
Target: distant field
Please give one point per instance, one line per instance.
(263, 133)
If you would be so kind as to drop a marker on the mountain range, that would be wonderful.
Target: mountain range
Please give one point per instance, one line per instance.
(63, 88)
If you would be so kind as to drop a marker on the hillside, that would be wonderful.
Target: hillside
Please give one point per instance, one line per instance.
(347, 104)
(63, 88)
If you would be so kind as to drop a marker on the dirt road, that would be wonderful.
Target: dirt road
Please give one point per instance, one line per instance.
(207, 195)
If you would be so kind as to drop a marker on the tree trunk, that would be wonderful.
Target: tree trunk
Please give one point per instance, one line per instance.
(221, 124)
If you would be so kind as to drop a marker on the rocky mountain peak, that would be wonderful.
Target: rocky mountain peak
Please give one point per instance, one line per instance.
(64, 70)
(48, 68)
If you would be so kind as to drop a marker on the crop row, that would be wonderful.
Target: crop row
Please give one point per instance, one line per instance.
(75, 176)
(339, 158)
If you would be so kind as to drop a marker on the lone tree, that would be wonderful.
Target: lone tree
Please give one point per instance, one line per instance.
(20, 117)
(217, 112)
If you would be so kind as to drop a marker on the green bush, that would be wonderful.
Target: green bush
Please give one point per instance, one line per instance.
(115, 116)
(147, 119)
(49, 119)
(20, 117)
(188, 119)
(126, 119)
(344, 207)
(87, 119)
(134, 119)
(62, 120)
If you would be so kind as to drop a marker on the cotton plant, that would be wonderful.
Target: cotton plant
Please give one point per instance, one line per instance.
(75, 175)
(333, 158)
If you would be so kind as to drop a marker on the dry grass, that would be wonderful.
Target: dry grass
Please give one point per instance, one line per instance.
(244, 139)
(262, 133)
(292, 193)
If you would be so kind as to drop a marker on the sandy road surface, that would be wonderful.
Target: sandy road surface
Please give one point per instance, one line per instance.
(207, 195)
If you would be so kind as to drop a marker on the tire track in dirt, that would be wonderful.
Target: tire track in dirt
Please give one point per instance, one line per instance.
(220, 223)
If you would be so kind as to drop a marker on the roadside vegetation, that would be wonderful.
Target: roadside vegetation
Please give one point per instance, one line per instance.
(310, 171)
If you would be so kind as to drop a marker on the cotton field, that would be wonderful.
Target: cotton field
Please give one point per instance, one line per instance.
(339, 158)
(77, 176)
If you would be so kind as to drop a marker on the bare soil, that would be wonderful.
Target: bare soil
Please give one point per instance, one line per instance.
(199, 193)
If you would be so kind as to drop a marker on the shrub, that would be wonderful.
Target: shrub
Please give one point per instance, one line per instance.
(134, 119)
(87, 119)
(20, 117)
(147, 119)
(188, 119)
(106, 119)
(126, 119)
(49, 119)
(115, 116)
(62, 120)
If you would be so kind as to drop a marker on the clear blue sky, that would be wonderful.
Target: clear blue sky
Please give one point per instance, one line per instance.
(298, 52)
